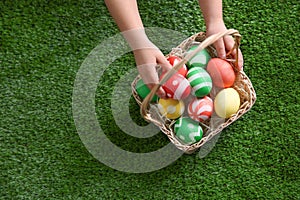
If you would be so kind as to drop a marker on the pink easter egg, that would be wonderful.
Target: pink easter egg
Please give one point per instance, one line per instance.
(177, 87)
(200, 109)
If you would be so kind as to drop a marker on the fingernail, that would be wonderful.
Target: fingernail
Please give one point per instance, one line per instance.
(223, 56)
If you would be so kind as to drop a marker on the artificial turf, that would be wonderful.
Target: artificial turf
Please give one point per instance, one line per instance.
(43, 44)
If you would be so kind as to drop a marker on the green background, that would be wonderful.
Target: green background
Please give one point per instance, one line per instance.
(43, 44)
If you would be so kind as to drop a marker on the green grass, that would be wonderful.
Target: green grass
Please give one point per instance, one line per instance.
(43, 44)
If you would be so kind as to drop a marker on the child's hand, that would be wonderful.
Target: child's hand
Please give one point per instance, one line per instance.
(147, 57)
(146, 61)
(225, 44)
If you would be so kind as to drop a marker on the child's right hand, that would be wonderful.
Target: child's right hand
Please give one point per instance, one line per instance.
(147, 60)
(147, 57)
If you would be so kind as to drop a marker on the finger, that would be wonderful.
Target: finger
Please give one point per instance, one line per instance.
(149, 75)
(166, 67)
(160, 92)
(240, 60)
(220, 47)
(163, 62)
(229, 43)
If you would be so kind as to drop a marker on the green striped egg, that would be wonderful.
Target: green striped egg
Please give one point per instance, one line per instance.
(200, 59)
(200, 81)
(187, 130)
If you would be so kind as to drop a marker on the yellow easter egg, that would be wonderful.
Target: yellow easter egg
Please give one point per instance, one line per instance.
(227, 103)
(171, 108)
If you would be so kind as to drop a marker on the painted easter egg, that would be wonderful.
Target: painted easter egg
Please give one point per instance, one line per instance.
(227, 102)
(200, 81)
(200, 109)
(171, 108)
(221, 72)
(200, 59)
(174, 60)
(143, 90)
(177, 87)
(187, 130)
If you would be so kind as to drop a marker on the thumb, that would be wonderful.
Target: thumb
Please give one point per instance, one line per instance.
(163, 62)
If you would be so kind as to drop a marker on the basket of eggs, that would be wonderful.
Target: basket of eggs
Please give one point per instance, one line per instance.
(205, 94)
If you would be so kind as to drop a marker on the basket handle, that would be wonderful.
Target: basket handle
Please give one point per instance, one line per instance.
(208, 41)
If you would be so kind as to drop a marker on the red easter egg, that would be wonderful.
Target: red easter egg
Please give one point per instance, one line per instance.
(200, 109)
(174, 60)
(221, 72)
(177, 87)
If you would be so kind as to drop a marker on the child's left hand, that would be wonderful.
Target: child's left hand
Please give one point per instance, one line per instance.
(225, 44)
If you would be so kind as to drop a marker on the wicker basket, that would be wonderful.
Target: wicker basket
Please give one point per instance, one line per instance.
(214, 125)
